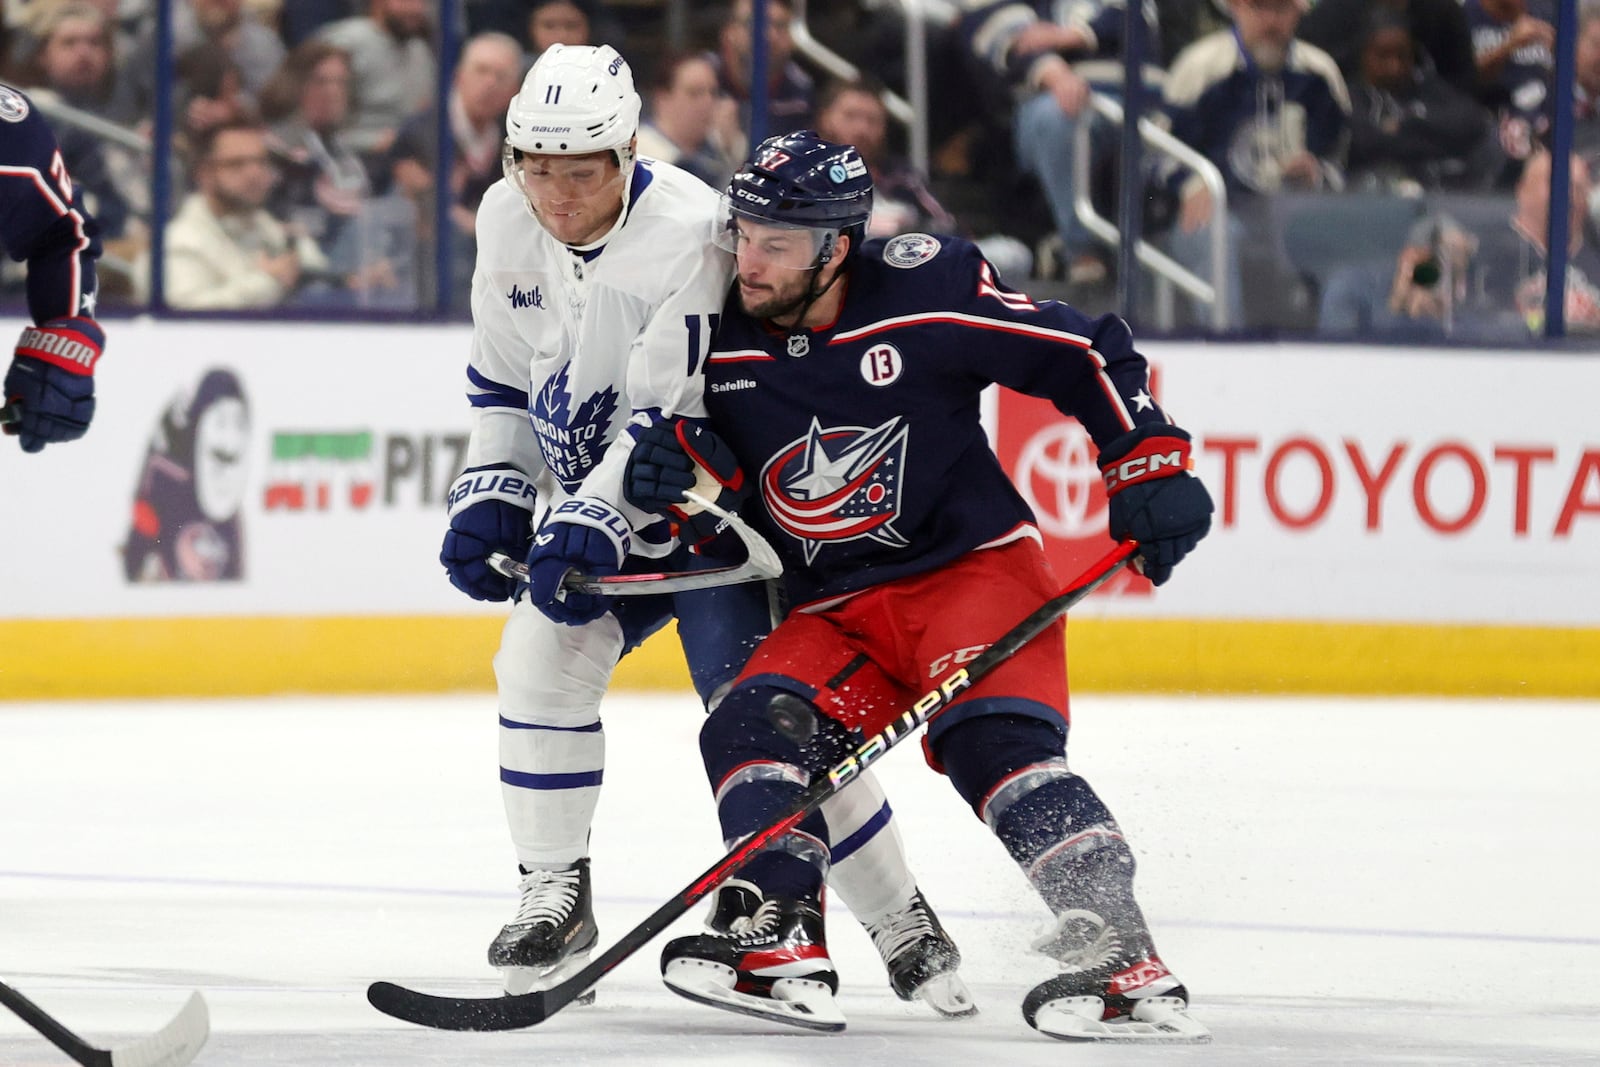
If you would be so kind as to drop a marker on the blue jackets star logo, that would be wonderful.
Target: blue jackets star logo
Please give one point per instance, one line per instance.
(838, 484)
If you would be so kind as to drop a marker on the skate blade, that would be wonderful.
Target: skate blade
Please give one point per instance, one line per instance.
(948, 995)
(1158, 1019)
(801, 1002)
(519, 980)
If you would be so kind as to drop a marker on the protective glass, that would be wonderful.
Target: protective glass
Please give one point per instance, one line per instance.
(758, 242)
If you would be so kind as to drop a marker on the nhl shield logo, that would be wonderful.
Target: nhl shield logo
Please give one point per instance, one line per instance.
(799, 345)
(838, 484)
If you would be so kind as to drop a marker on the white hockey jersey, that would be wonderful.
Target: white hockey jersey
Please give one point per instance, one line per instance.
(568, 347)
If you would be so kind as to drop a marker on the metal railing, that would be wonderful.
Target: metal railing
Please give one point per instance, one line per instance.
(911, 110)
(1168, 271)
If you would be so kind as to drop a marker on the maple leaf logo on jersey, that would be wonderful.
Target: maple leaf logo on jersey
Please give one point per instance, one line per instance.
(838, 484)
(571, 444)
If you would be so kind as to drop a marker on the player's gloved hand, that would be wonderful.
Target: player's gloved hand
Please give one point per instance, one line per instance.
(1154, 497)
(671, 457)
(587, 535)
(491, 510)
(51, 382)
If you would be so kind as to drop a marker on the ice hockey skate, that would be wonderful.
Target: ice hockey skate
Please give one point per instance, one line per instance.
(921, 958)
(771, 963)
(552, 933)
(1114, 987)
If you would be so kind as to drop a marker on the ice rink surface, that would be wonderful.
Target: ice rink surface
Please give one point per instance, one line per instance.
(1337, 882)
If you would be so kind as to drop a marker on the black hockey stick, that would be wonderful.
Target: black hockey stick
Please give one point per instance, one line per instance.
(761, 563)
(10, 414)
(172, 1046)
(527, 1009)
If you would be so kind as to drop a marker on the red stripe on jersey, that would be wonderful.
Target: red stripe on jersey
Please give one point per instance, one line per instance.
(746, 356)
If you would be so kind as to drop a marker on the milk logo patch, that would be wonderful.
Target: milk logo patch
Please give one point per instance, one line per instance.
(910, 250)
(838, 484)
(571, 438)
(13, 105)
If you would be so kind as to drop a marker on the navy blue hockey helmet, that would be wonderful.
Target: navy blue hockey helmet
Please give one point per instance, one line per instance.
(800, 180)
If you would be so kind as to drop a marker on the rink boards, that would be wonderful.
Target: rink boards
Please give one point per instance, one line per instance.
(258, 509)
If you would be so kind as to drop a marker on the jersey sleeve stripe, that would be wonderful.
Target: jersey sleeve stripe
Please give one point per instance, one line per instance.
(492, 394)
(64, 209)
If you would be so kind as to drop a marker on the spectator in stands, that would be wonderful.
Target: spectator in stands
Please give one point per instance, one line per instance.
(395, 75)
(789, 87)
(1428, 293)
(1410, 130)
(224, 26)
(853, 113)
(323, 190)
(70, 64)
(680, 127)
(486, 79)
(556, 22)
(1272, 114)
(71, 55)
(1053, 56)
(224, 249)
(1516, 282)
(1513, 43)
(1439, 34)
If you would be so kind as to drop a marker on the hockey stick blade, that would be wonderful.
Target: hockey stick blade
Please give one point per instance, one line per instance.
(174, 1045)
(760, 563)
(530, 1009)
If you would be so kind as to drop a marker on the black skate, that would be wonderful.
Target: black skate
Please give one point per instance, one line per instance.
(552, 933)
(922, 959)
(1114, 987)
(771, 963)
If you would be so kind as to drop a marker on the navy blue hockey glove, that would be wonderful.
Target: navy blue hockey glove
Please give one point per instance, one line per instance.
(671, 457)
(50, 386)
(1155, 497)
(584, 534)
(491, 510)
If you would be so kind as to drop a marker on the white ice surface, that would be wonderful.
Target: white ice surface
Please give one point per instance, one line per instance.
(1337, 882)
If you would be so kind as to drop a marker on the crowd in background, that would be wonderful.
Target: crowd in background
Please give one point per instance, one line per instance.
(1384, 163)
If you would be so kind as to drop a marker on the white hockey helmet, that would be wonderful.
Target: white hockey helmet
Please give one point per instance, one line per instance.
(577, 99)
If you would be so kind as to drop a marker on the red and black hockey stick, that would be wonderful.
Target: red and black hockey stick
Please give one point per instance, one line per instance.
(528, 1009)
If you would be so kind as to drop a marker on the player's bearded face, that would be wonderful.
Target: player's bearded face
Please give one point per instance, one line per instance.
(776, 267)
(576, 198)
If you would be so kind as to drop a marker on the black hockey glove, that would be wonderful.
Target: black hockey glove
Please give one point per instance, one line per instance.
(1155, 497)
(50, 385)
(669, 458)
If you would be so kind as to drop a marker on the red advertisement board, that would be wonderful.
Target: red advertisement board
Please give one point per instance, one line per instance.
(1052, 461)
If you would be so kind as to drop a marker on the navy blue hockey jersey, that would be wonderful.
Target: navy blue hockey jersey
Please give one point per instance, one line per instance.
(42, 217)
(864, 436)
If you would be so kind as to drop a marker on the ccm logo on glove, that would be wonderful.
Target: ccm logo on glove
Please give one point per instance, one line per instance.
(1154, 457)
